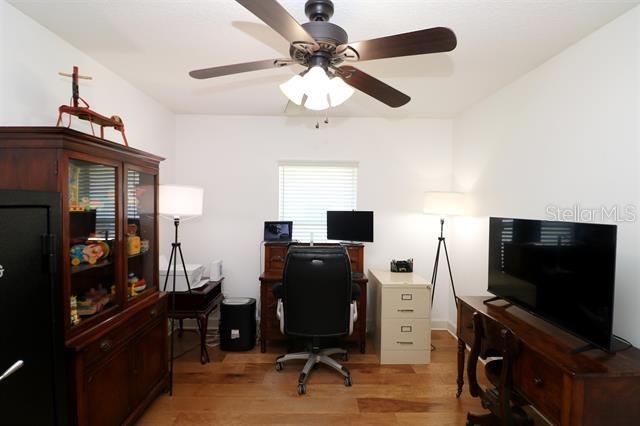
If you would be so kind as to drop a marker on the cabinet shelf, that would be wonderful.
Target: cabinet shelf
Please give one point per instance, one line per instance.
(86, 266)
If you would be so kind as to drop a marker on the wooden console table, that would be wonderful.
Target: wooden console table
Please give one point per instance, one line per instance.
(274, 255)
(591, 388)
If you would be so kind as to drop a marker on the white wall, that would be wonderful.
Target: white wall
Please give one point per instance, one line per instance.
(236, 160)
(31, 89)
(566, 133)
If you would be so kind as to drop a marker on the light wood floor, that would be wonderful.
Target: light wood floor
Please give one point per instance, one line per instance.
(244, 388)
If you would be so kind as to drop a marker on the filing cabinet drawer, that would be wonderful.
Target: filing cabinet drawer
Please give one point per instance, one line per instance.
(405, 334)
(405, 303)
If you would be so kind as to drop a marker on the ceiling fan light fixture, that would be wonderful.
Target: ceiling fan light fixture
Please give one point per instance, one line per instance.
(294, 89)
(317, 101)
(339, 91)
(316, 82)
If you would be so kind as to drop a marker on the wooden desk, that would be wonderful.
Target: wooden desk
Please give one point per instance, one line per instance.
(275, 254)
(592, 388)
(198, 305)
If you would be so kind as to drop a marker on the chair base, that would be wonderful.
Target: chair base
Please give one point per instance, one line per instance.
(520, 418)
(313, 359)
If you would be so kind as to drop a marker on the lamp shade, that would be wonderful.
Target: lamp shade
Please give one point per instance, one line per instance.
(180, 201)
(445, 203)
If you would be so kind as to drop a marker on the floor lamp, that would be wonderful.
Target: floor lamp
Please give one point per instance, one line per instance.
(443, 204)
(178, 202)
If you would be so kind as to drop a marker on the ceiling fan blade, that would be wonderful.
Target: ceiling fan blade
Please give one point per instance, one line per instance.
(239, 68)
(432, 40)
(277, 17)
(372, 86)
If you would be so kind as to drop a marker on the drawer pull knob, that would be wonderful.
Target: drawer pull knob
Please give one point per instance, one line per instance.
(277, 259)
(106, 345)
(406, 296)
(405, 310)
(153, 313)
(404, 343)
(405, 329)
(538, 381)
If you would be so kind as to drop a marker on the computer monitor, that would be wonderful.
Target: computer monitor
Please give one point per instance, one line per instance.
(278, 231)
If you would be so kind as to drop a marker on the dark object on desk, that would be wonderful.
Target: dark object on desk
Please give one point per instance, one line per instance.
(350, 226)
(402, 265)
(562, 271)
(238, 324)
(278, 231)
(589, 389)
(316, 303)
(491, 339)
(198, 305)
(274, 255)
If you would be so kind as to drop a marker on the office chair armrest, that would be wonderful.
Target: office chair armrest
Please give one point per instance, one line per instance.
(353, 317)
(280, 315)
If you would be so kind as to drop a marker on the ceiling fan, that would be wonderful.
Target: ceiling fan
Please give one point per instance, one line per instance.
(323, 49)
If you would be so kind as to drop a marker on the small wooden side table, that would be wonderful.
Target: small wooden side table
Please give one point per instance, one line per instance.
(198, 305)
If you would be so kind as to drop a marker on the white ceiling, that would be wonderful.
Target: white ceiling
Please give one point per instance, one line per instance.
(154, 43)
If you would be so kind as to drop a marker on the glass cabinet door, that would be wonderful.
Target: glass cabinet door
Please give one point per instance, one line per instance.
(93, 242)
(141, 235)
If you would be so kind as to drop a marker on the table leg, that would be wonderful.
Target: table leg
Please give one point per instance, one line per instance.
(204, 353)
(263, 346)
(460, 381)
(180, 327)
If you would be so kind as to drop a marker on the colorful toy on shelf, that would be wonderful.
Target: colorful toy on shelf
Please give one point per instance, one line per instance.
(144, 246)
(92, 253)
(133, 240)
(73, 303)
(93, 301)
(140, 285)
(77, 257)
(132, 281)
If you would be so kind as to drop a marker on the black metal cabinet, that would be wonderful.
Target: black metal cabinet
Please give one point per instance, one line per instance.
(30, 331)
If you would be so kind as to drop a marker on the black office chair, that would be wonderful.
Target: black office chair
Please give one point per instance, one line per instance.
(316, 302)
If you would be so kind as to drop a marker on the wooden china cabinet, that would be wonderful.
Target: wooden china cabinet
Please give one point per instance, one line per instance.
(114, 316)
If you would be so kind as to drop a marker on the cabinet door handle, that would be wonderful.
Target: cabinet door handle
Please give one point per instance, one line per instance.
(538, 381)
(106, 345)
(405, 310)
(15, 367)
(404, 343)
(153, 313)
(277, 259)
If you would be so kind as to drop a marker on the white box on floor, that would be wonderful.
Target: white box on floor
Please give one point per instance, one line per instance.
(194, 272)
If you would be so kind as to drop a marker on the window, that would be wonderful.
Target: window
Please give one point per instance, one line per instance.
(308, 190)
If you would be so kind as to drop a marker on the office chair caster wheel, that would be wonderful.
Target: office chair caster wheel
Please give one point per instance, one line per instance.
(302, 389)
(279, 366)
(347, 381)
(345, 356)
(316, 366)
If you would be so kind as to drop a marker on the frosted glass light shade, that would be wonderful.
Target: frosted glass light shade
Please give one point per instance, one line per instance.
(316, 82)
(339, 91)
(317, 102)
(294, 89)
(445, 203)
(180, 201)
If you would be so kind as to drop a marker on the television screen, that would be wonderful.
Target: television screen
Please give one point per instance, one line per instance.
(350, 226)
(561, 271)
(278, 231)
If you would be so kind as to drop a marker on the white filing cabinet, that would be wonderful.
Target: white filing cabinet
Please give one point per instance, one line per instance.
(403, 317)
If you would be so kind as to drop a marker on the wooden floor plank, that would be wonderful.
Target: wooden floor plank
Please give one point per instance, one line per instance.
(243, 388)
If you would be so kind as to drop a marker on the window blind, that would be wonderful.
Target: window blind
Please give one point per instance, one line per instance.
(307, 191)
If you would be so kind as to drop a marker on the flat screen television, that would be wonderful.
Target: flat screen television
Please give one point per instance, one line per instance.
(563, 272)
(350, 226)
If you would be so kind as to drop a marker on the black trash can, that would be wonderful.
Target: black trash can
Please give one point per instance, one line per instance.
(238, 324)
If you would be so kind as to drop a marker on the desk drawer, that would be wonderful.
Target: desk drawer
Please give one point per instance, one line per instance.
(274, 257)
(405, 303)
(540, 382)
(405, 334)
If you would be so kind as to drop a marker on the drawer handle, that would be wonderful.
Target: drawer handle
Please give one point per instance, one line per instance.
(106, 345)
(277, 259)
(405, 310)
(153, 313)
(538, 381)
(405, 329)
(469, 327)
(406, 296)
(404, 343)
